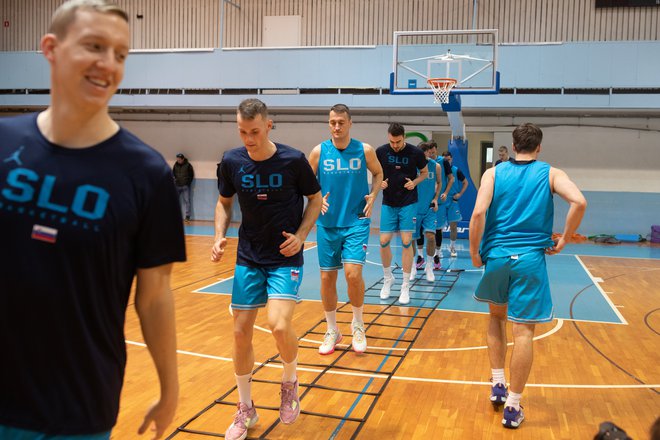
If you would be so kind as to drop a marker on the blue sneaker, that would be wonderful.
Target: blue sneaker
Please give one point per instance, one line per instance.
(512, 418)
(498, 394)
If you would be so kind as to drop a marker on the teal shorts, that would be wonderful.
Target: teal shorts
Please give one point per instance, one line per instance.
(448, 212)
(398, 218)
(425, 222)
(336, 246)
(7, 432)
(254, 286)
(521, 282)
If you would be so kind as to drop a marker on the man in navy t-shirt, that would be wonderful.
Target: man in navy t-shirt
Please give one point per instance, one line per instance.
(404, 167)
(84, 205)
(270, 180)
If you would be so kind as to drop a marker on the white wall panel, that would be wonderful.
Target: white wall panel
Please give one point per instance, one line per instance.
(197, 23)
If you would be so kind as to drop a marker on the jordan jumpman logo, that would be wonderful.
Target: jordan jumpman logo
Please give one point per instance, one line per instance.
(15, 156)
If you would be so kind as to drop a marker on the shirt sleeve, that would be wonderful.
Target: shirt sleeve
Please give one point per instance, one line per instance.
(447, 167)
(308, 184)
(422, 161)
(225, 183)
(161, 217)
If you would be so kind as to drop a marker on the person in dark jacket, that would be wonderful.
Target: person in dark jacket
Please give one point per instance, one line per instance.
(183, 176)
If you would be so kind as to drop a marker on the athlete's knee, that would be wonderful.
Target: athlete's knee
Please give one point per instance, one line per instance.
(328, 276)
(385, 244)
(406, 244)
(522, 330)
(280, 328)
(243, 334)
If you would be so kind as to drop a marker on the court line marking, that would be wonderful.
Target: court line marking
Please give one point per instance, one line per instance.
(602, 292)
(412, 379)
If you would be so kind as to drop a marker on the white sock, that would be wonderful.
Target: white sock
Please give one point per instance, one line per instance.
(498, 376)
(357, 314)
(429, 257)
(513, 400)
(244, 388)
(331, 317)
(452, 243)
(289, 374)
(406, 279)
(387, 271)
(438, 252)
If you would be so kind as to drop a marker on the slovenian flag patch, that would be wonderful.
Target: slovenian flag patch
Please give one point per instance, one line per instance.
(44, 233)
(295, 274)
(263, 196)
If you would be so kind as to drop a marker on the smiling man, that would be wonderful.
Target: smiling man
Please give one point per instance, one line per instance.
(270, 180)
(85, 204)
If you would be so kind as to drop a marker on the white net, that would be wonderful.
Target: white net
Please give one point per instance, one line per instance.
(441, 88)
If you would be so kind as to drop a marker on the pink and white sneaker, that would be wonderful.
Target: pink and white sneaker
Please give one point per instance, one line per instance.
(244, 419)
(290, 406)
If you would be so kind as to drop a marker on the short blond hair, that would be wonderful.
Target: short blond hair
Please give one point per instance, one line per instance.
(66, 14)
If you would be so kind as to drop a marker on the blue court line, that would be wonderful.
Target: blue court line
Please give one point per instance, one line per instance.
(366, 387)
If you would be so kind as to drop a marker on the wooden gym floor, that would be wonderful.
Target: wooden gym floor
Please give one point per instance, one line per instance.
(435, 386)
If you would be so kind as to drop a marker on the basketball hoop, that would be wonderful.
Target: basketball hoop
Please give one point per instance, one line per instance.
(441, 88)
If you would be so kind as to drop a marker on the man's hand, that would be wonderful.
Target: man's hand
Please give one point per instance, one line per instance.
(409, 185)
(160, 414)
(476, 260)
(455, 197)
(218, 249)
(370, 199)
(291, 245)
(383, 184)
(434, 205)
(557, 248)
(443, 197)
(324, 203)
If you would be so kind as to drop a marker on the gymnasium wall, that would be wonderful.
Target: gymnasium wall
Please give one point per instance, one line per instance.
(618, 169)
(190, 24)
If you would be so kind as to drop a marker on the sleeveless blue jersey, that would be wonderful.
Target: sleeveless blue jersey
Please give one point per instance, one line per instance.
(343, 173)
(519, 218)
(426, 189)
(458, 184)
(443, 178)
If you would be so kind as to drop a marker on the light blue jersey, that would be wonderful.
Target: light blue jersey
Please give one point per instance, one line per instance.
(519, 219)
(426, 189)
(343, 173)
(456, 187)
(443, 179)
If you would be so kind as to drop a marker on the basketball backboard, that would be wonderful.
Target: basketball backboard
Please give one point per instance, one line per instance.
(468, 56)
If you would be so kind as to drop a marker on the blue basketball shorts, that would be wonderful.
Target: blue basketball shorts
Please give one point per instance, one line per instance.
(521, 282)
(7, 432)
(337, 246)
(398, 218)
(426, 222)
(448, 212)
(254, 286)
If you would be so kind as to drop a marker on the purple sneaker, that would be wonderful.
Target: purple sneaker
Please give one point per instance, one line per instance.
(512, 418)
(436, 263)
(420, 262)
(290, 406)
(244, 419)
(498, 394)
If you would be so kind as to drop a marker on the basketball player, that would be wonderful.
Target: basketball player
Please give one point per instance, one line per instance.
(446, 181)
(341, 165)
(404, 167)
(452, 213)
(270, 180)
(428, 193)
(510, 232)
(85, 206)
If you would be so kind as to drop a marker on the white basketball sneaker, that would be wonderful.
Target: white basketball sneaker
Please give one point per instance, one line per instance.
(387, 286)
(404, 298)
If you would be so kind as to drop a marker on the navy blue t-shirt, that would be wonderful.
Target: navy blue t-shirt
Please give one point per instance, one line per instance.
(270, 193)
(76, 223)
(397, 165)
